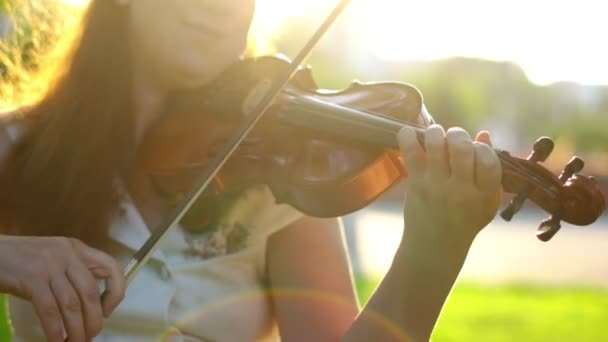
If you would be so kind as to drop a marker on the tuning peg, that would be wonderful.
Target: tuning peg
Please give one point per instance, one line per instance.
(575, 165)
(548, 228)
(541, 150)
(514, 206)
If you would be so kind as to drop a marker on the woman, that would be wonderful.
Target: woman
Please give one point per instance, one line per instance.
(70, 159)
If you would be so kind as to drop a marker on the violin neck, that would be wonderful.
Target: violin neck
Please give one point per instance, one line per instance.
(351, 124)
(347, 123)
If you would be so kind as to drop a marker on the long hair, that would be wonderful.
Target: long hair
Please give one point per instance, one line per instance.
(60, 178)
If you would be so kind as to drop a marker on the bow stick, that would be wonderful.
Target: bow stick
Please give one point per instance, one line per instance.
(254, 109)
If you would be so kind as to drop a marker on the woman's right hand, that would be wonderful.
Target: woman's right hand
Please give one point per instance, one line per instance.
(59, 276)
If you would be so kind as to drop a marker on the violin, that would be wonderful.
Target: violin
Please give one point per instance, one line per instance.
(329, 153)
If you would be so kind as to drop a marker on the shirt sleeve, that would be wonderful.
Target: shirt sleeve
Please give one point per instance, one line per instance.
(256, 216)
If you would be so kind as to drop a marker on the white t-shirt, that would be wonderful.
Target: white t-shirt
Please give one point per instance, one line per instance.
(207, 287)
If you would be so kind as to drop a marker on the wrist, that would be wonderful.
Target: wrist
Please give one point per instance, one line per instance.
(434, 249)
(439, 238)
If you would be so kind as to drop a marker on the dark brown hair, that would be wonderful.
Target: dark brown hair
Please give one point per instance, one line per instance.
(60, 178)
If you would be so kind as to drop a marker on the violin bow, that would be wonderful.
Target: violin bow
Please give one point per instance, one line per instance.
(255, 105)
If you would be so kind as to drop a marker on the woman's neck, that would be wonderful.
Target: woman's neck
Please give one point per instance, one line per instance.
(149, 103)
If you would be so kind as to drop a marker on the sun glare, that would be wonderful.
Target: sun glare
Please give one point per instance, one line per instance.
(76, 2)
(551, 40)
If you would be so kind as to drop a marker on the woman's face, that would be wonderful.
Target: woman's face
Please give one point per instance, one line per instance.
(185, 43)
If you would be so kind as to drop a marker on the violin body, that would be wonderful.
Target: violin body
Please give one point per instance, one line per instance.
(320, 174)
(326, 153)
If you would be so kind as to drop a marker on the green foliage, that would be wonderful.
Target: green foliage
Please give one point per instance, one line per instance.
(589, 131)
(524, 313)
(479, 94)
(5, 331)
(36, 32)
(518, 313)
(22, 45)
(472, 94)
(499, 313)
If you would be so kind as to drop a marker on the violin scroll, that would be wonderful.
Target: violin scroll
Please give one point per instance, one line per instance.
(570, 197)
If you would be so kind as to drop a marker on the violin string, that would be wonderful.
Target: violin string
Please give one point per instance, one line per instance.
(524, 171)
(505, 159)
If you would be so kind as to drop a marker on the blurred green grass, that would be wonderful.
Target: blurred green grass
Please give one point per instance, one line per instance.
(501, 313)
(518, 313)
(5, 332)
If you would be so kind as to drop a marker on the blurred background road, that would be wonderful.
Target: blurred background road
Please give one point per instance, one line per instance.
(503, 253)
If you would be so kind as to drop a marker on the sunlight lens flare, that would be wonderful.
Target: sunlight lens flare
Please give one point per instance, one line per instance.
(76, 2)
(551, 40)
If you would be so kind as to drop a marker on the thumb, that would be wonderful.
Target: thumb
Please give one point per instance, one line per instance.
(103, 266)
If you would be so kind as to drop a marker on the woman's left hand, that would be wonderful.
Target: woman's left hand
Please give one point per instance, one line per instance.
(453, 191)
(454, 184)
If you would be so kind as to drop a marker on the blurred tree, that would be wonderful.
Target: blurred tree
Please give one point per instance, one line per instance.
(34, 38)
(5, 23)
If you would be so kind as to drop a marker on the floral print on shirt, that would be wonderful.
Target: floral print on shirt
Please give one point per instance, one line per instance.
(225, 239)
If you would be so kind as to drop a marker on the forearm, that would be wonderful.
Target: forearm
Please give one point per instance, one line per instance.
(411, 295)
